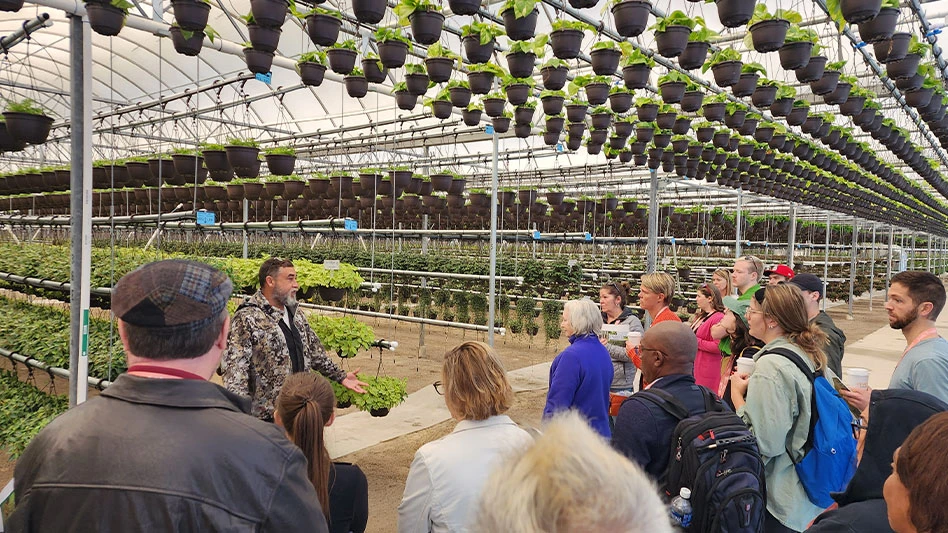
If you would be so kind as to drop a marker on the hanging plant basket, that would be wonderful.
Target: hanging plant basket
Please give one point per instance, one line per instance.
(892, 49)
(918, 98)
(263, 38)
(369, 11)
(798, 116)
(605, 61)
(406, 100)
(636, 76)
(494, 107)
(441, 108)
(735, 119)
(881, 27)
(694, 55)
(258, 62)
(269, 13)
(764, 95)
(672, 41)
(795, 56)
(911, 83)
(839, 95)
(520, 64)
(475, 51)
(746, 85)
(523, 115)
(691, 101)
(666, 120)
(426, 26)
(576, 113)
(311, 73)
(769, 35)
(566, 43)
(672, 91)
(11, 6)
(464, 7)
(552, 105)
(518, 93)
(439, 69)
(472, 117)
(554, 79)
(191, 15)
(620, 102)
(555, 124)
(597, 93)
(726, 73)
(631, 17)
(460, 96)
(480, 82)
(601, 121)
(105, 19)
(334, 294)
(734, 13)
(27, 127)
(243, 159)
(576, 129)
(372, 72)
(647, 112)
(713, 111)
(826, 84)
(417, 84)
(190, 166)
(781, 107)
(681, 126)
(813, 71)
(188, 46)
(748, 127)
(856, 11)
(854, 105)
(520, 29)
(281, 164)
(903, 68)
(323, 29)
(341, 60)
(216, 160)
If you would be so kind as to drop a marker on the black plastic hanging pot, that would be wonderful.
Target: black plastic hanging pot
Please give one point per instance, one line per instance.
(258, 62)
(852, 106)
(369, 11)
(494, 107)
(635, 76)
(763, 135)
(520, 29)
(518, 93)
(342, 60)
(746, 85)
(631, 17)
(623, 128)
(460, 96)
(666, 120)
(576, 112)
(464, 7)
(393, 53)
(769, 35)
(27, 127)
(911, 83)
(813, 70)
(672, 91)
(576, 129)
(523, 115)
(797, 116)
(825, 84)
(597, 93)
(839, 95)
(856, 11)
(555, 124)
(552, 105)
(426, 26)
(748, 127)
(919, 97)
(417, 84)
(605, 61)
(764, 95)
(714, 111)
(263, 38)
(735, 119)
(322, 29)
(726, 73)
(903, 68)
(480, 82)
(734, 13)
(441, 108)
(781, 107)
(189, 46)
(269, 13)
(475, 51)
(894, 48)
(519, 64)
(551, 137)
(280, 164)
(554, 79)
(566, 43)
(105, 19)
(672, 41)
(794, 56)
(620, 102)
(406, 100)
(691, 101)
(704, 134)
(881, 27)
(522, 131)
(694, 55)
(644, 134)
(647, 112)
(191, 15)
(439, 68)
(372, 72)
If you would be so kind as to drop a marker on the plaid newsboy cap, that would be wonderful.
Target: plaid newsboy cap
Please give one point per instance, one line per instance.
(176, 294)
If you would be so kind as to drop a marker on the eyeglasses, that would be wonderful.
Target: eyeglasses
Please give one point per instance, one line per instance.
(643, 349)
(750, 311)
(858, 425)
(438, 387)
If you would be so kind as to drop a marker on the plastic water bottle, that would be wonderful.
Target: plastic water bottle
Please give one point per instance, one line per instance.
(680, 508)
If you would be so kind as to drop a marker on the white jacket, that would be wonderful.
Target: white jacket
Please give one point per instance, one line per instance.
(446, 477)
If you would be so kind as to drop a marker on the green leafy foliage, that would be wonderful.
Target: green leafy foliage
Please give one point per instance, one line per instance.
(722, 55)
(26, 105)
(24, 411)
(753, 68)
(315, 56)
(637, 57)
(552, 309)
(673, 76)
(676, 18)
(761, 13)
(405, 8)
(391, 34)
(485, 31)
(534, 46)
(380, 393)
(567, 24)
(344, 335)
(521, 8)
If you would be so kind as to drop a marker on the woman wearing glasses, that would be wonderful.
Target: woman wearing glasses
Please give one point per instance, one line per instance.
(613, 298)
(778, 399)
(708, 360)
(446, 476)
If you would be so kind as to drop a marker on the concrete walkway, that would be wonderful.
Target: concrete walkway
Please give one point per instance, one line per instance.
(879, 351)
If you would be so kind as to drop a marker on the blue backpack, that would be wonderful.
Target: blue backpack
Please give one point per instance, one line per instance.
(829, 459)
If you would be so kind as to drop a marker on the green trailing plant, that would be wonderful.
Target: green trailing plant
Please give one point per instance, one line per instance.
(608, 44)
(26, 105)
(236, 141)
(315, 56)
(918, 47)
(580, 82)
(702, 34)
(521, 8)
(493, 68)
(552, 309)
(637, 57)
(26, 410)
(676, 18)
(405, 8)
(356, 73)
(673, 76)
(344, 335)
(796, 34)
(835, 65)
(380, 393)
(753, 68)
(801, 103)
(399, 87)
(209, 32)
(439, 50)
(526, 314)
(280, 150)
(548, 93)
(507, 81)
(785, 91)
(415, 68)
(567, 24)
(646, 100)
(534, 46)
(555, 63)
(722, 55)
(383, 35)
(761, 13)
(485, 31)
(348, 44)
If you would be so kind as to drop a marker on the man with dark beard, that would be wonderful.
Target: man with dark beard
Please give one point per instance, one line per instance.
(915, 300)
(269, 340)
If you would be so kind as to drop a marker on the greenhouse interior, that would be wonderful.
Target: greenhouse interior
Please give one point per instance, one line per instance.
(446, 170)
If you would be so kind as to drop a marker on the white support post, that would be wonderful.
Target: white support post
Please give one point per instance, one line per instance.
(872, 265)
(852, 267)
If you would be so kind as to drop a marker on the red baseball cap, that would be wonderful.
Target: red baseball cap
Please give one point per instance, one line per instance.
(782, 270)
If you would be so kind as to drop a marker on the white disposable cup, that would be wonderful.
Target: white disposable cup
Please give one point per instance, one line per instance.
(634, 337)
(745, 365)
(857, 378)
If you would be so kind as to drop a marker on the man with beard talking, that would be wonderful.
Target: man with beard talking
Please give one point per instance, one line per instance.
(270, 340)
(915, 300)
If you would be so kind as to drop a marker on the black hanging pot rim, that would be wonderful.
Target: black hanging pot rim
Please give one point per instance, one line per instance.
(369, 11)
(520, 29)
(188, 46)
(734, 13)
(566, 42)
(672, 41)
(426, 25)
(191, 15)
(631, 16)
(105, 19)
(770, 34)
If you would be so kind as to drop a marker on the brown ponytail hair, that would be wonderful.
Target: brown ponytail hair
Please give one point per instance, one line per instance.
(620, 289)
(305, 405)
(784, 303)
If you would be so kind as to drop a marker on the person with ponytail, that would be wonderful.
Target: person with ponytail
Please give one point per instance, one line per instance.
(775, 400)
(304, 408)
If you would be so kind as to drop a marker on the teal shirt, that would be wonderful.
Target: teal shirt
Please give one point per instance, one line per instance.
(924, 368)
(778, 413)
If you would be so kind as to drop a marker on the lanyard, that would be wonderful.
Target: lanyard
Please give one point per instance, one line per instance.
(929, 333)
(170, 372)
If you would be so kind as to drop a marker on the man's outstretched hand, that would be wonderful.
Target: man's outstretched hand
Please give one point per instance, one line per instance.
(351, 382)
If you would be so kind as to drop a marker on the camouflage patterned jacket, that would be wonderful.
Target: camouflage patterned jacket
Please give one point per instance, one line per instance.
(257, 359)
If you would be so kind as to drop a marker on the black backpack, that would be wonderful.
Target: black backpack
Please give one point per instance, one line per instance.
(716, 456)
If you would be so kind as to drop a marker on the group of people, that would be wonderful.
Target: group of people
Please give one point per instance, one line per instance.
(181, 453)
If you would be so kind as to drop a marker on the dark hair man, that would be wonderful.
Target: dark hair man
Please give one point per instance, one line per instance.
(812, 289)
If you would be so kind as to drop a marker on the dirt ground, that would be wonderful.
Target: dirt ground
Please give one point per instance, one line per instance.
(386, 464)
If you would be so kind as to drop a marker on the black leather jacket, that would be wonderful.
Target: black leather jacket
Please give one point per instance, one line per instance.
(163, 455)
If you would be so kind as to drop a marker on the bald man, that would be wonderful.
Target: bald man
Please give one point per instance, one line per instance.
(643, 430)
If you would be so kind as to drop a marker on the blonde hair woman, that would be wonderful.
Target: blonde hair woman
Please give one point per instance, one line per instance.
(446, 476)
(722, 280)
(778, 399)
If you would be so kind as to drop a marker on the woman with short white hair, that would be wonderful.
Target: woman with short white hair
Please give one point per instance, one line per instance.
(581, 374)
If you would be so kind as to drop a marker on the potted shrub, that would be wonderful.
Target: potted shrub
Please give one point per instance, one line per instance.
(478, 39)
(523, 54)
(464, 7)
(750, 73)
(672, 86)
(827, 83)
(768, 31)
(356, 84)
(322, 26)
(369, 11)
(311, 67)
(26, 121)
(373, 69)
(620, 99)
(566, 38)
(480, 77)
(393, 46)
(605, 56)
(696, 51)
(882, 26)
(671, 33)
(440, 63)
(800, 44)
(191, 15)
(520, 18)
(553, 73)
(416, 78)
(425, 18)
(107, 17)
(636, 69)
(342, 56)
(725, 65)
(631, 16)
(518, 89)
(281, 160)
(404, 99)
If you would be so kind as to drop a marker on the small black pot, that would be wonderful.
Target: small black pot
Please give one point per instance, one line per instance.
(605, 61)
(258, 62)
(464, 7)
(881, 27)
(555, 125)
(813, 71)
(554, 79)
(216, 161)
(826, 84)
(910, 84)
(426, 26)
(522, 131)
(441, 108)
(620, 102)
(369, 11)
(372, 72)
(681, 125)
(105, 19)
(524, 115)
(856, 11)
(269, 13)
(781, 107)
(631, 17)
(322, 29)
(576, 112)
(597, 93)
(518, 93)
(417, 84)
(501, 124)
(439, 68)
(672, 91)
(919, 97)
(494, 107)
(839, 95)
(280, 164)
(853, 105)
(406, 100)
(903, 68)
(191, 15)
(520, 29)
(797, 116)
(240, 158)
(666, 120)
(764, 95)
(263, 38)
(734, 13)
(672, 41)
(636, 76)
(566, 43)
(520, 64)
(727, 73)
(748, 127)
(794, 56)
(27, 127)
(341, 60)
(480, 82)
(694, 55)
(460, 96)
(892, 49)
(746, 85)
(393, 53)
(472, 117)
(189, 46)
(768, 35)
(713, 111)
(475, 51)
(647, 112)
(190, 166)
(601, 121)
(552, 105)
